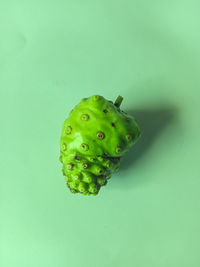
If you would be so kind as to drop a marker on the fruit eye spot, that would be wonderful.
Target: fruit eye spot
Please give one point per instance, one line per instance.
(96, 97)
(118, 149)
(92, 188)
(70, 166)
(61, 159)
(100, 135)
(85, 165)
(108, 164)
(105, 111)
(68, 130)
(82, 187)
(85, 117)
(85, 147)
(77, 158)
(101, 181)
(92, 159)
(113, 124)
(128, 137)
(76, 177)
(73, 191)
(100, 171)
(64, 147)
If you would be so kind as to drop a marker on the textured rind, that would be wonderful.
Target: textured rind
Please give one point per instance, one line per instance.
(94, 138)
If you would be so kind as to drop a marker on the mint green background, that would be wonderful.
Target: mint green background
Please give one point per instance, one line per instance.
(52, 54)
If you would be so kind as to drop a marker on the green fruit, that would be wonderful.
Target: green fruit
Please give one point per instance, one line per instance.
(95, 136)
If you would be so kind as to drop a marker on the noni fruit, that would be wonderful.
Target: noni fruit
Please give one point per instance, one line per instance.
(95, 137)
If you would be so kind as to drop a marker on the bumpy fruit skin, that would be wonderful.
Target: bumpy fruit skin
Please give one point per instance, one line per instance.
(95, 137)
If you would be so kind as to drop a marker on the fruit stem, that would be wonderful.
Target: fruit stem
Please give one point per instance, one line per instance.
(118, 101)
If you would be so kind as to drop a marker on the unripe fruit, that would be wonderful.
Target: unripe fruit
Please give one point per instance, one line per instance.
(95, 136)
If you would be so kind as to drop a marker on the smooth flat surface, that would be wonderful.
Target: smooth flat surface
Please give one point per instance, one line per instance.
(52, 54)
